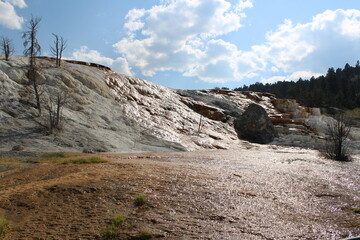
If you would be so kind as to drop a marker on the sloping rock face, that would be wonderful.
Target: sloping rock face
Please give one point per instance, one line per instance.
(107, 111)
(255, 125)
(218, 99)
(206, 110)
(92, 119)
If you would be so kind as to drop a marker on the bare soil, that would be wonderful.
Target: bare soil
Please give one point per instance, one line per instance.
(257, 192)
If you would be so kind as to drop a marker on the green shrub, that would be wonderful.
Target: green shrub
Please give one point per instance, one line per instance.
(85, 160)
(118, 220)
(139, 200)
(4, 227)
(111, 232)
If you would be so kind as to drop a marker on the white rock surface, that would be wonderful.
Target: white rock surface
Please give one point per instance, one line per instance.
(107, 111)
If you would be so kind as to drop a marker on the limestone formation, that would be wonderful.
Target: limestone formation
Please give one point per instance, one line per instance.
(112, 112)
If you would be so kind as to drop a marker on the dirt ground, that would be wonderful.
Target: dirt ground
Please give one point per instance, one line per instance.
(256, 192)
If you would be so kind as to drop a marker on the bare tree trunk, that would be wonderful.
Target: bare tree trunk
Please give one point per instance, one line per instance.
(54, 103)
(37, 96)
(7, 47)
(32, 78)
(59, 46)
(200, 124)
(33, 49)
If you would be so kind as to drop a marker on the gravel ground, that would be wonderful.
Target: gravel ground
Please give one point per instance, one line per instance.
(253, 192)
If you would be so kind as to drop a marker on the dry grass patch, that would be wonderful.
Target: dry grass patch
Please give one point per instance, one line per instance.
(4, 227)
(10, 161)
(85, 160)
(67, 158)
(51, 157)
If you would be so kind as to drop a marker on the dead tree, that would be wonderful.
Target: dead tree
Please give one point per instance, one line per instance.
(7, 47)
(59, 46)
(54, 103)
(338, 131)
(32, 50)
(200, 124)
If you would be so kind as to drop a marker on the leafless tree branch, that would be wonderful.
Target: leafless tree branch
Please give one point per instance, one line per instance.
(32, 50)
(57, 50)
(7, 47)
(338, 131)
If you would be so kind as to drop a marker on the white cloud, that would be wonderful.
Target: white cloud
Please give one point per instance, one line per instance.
(244, 4)
(219, 71)
(221, 61)
(274, 69)
(186, 36)
(178, 35)
(18, 3)
(8, 15)
(331, 38)
(85, 54)
(121, 65)
(133, 19)
(291, 51)
(293, 77)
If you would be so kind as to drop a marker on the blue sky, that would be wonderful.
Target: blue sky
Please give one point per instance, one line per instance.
(197, 44)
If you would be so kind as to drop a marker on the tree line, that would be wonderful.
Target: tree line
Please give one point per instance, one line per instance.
(338, 88)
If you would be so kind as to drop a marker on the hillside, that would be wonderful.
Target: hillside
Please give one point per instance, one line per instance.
(110, 112)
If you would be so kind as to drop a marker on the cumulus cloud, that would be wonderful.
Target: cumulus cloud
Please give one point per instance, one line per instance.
(292, 77)
(302, 50)
(186, 36)
(133, 22)
(331, 38)
(85, 54)
(121, 65)
(88, 55)
(8, 15)
(244, 4)
(179, 35)
(18, 3)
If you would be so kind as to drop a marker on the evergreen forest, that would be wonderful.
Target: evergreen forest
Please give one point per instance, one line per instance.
(338, 88)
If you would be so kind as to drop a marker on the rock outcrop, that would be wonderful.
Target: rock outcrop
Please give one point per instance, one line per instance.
(255, 125)
(207, 111)
(112, 112)
(291, 107)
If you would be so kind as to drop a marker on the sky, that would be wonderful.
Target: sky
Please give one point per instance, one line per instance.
(196, 44)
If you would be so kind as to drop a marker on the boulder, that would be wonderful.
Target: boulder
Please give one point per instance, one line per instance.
(18, 148)
(254, 125)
